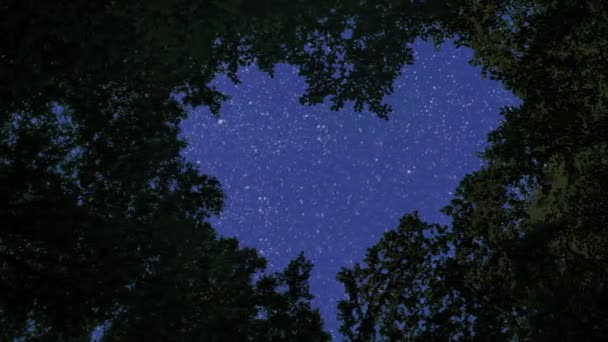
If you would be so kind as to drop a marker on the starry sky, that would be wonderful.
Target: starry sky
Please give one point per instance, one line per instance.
(300, 178)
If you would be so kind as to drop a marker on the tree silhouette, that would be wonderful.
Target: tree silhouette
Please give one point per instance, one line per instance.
(98, 208)
(104, 222)
(401, 292)
(528, 235)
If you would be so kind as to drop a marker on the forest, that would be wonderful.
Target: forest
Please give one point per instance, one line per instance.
(103, 222)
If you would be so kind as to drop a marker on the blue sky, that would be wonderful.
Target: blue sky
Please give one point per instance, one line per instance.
(300, 178)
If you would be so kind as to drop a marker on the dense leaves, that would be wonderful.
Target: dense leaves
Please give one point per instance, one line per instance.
(103, 222)
(151, 49)
(398, 293)
(284, 312)
(99, 211)
(210, 294)
(528, 243)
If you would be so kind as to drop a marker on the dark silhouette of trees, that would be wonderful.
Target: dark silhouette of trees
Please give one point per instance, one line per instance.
(528, 239)
(143, 50)
(112, 230)
(400, 293)
(211, 296)
(286, 314)
(99, 211)
(103, 222)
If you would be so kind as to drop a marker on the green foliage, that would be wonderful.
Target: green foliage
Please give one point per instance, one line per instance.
(284, 310)
(104, 222)
(210, 294)
(99, 210)
(160, 47)
(400, 292)
(111, 229)
(82, 219)
(528, 238)
(102, 219)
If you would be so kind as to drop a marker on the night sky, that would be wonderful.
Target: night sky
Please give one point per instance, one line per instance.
(300, 178)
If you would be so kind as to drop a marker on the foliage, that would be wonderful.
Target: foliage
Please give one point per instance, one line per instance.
(98, 207)
(104, 222)
(284, 312)
(400, 292)
(210, 295)
(528, 230)
(82, 218)
(153, 49)
(99, 211)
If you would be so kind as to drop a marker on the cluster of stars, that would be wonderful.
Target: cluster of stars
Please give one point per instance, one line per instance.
(330, 183)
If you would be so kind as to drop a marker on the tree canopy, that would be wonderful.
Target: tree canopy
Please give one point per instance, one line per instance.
(103, 221)
(527, 245)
